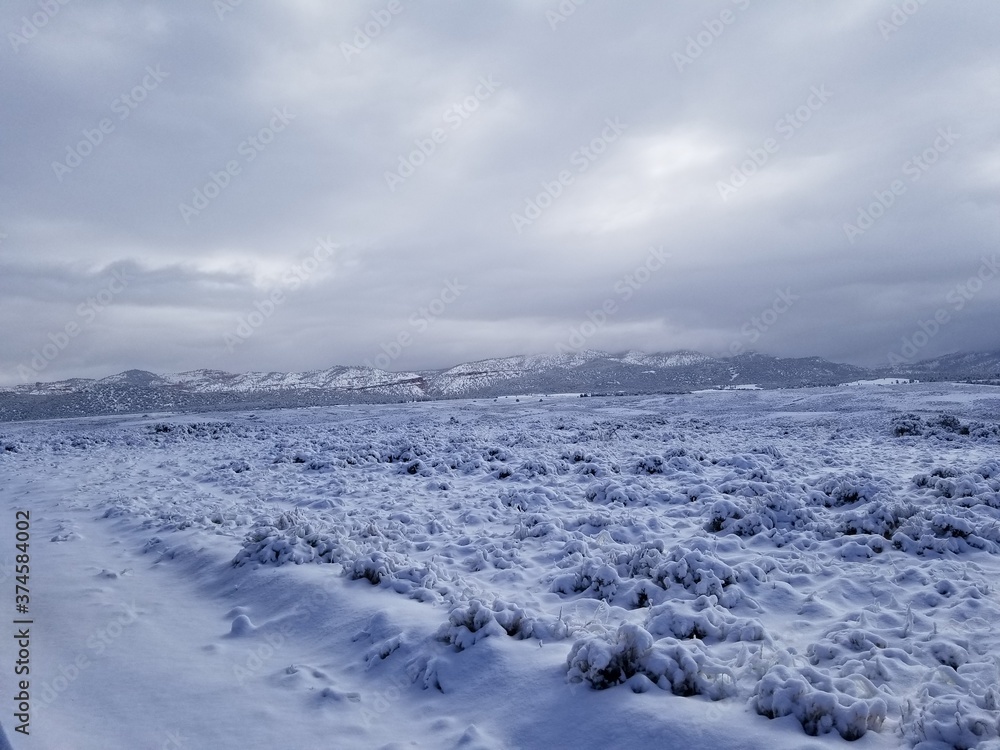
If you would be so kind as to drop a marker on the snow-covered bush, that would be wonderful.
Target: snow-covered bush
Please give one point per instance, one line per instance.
(703, 620)
(749, 517)
(474, 620)
(534, 467)
(882, 519)
(373, 567)
(907, 424)
(650, 465)
(682, 668)
(468, 624)
(953, 712)
(957, 530)
(610, 492)
(288, 539)
(593, 577)
(820, 703)
(530, 499)
(695, 568)
(944, 427)
(847, 489)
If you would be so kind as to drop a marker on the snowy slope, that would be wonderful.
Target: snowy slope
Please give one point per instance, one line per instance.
(585, 371)
(488, 374)
(670, 359)
(735, 569)
(334, 378)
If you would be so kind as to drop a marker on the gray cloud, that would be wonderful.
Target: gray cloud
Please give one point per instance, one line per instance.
(188, 103)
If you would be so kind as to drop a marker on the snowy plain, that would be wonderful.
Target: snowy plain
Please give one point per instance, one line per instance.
(808, 568)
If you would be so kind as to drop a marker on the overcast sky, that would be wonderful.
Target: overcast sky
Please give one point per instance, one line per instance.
(294, 185)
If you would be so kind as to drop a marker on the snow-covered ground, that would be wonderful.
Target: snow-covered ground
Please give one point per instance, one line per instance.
(740, 569)
(883, 381)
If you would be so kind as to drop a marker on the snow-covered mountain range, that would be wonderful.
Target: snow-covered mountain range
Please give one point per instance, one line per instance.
(584, 372)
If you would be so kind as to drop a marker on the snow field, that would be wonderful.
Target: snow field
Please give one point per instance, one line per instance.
(820, 562)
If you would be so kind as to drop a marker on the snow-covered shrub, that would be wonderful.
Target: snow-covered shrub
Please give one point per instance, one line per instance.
(847, 489)
(534, 467)
(703, 620)
(468, 624)
(237, 466)
(953, 712)
(981, 487)
(882, 519)
(576, 455)
(373, 567)
(756, 516)
(637, 594)
(907, 424)
(471, 622)
(843, 643)
(948, 653)
(416, 467)
(642, 560)
(650, 465)
(211, 430)
(609, 492)
(742, 487)
(989, 470)
(288, 539)
(594, 577)
(820, 703)
(950, 423)
(746, 467)
(590, 468)
(683, 451)
(602, 664)
(500, 555)
(403, 451)
(683, 668)
(768, 450)
(696, 569)
(955, 530)
(530, 500)
(497, 454)
(944, 427)
(536, 526)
